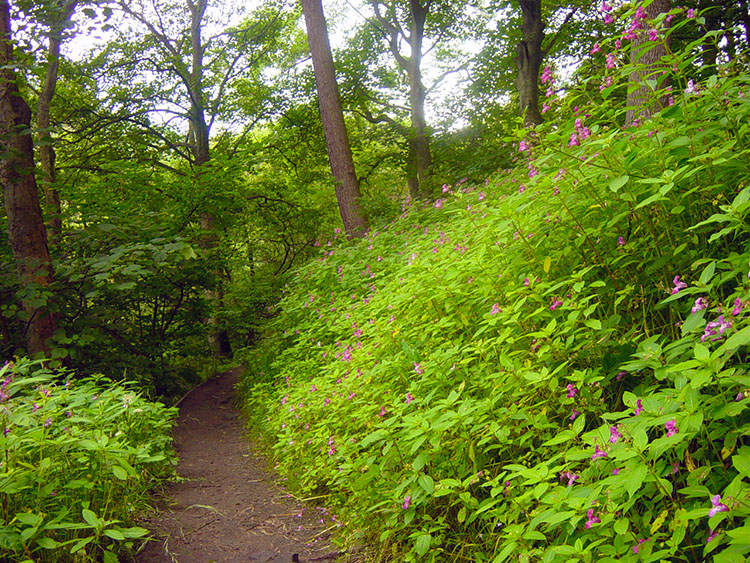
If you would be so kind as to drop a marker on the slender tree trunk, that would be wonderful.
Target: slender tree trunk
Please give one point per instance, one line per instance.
(218, 338)
(646, 55)
(45, 146)
(26, 231)
(419, 143)
(337, 141)
(529, 61)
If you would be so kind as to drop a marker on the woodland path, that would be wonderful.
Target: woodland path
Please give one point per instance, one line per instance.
(229, 508)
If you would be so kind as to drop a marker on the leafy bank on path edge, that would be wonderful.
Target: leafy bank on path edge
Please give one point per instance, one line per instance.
(547, 367)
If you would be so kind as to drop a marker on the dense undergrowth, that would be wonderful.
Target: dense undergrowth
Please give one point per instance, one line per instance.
(548, 367)
(79, 458)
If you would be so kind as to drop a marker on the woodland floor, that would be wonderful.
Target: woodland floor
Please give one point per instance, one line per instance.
(228, 507)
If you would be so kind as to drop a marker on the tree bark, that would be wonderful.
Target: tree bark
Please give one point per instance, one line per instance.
(337, 141)
(26, 231)
(45, 145)
(529, 61)
(218, 338)
(646, 56)
(419, 143)
(419, 160)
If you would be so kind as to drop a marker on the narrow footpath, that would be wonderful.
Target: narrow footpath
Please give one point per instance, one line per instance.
(228, 508)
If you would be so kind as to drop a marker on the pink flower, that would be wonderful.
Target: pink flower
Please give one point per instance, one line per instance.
(598, 453)
(605, 8)
(611, 63)
(608, 19)
(407, 502)
(572, 390)
(495, 309)
(596, 49)
(712, 535)
(690, 13)
(678, 285)
(545, 108)
(439, 203)
(591, 518)
(547, 75)
(418, 368)
(692, 88)
(523, 146)
(620, 241)
(555, 303)
(717, 506)
(640, 542)
(614, 434)
(737, 307)
(382, 411)
(571, 477)
(526, 282)
(574, 414)
(653, 35)
(671, 426)
(409, 398)
(638, 407)
(699, 305)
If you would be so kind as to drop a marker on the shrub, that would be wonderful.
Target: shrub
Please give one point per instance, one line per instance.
(78, 459)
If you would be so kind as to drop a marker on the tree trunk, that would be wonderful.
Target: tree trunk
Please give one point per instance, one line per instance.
(337, 141)
(26, 231)
(646, 55)
(529, 61)
(45, 146)
(218, 338)
(419, 143)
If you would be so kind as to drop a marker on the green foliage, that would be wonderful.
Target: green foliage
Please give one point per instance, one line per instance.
(78, 460)
(551, 367)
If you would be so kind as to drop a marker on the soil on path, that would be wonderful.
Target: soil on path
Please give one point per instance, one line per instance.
(228, 508)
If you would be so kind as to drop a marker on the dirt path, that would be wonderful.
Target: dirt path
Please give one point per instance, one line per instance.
(229, 508)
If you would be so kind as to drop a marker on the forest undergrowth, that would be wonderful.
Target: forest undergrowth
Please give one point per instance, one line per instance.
(549, 366)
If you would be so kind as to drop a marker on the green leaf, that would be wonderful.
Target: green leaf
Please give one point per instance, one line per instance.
(120, 473)
(422, 544)
(426, 482)
(503, 555)
(115, 534)
(80, 544)
(738, 339)
(621, 526)
(741, 463)
(91, 519)
(47, 543)
(616, 183)
(635, 479)
(707, 273)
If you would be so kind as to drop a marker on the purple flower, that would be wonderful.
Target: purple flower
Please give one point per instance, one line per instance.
(671, 427)
(717, 506)
(712, 535)
(638, 407)
(547, 75)
(574, 414)
(571, 477)
(690, 13)
(614, 434)
(409, 398)
(572, 390)
(418, 368)
(495, 309)
(555, 304)
(719, 325)
(699, 305)
(35, 407)
(616, 471)
(605, 8)
(640, 542)
(591, 518)
(737, 307)
(526, 282)
(48, 423)
(653, 35)
(523, 146)
(620, 241)
(611, 63)
(382, 411)
(692, 88)
(598, 453)
(596, 49)
(678, 285)
(407, 502)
